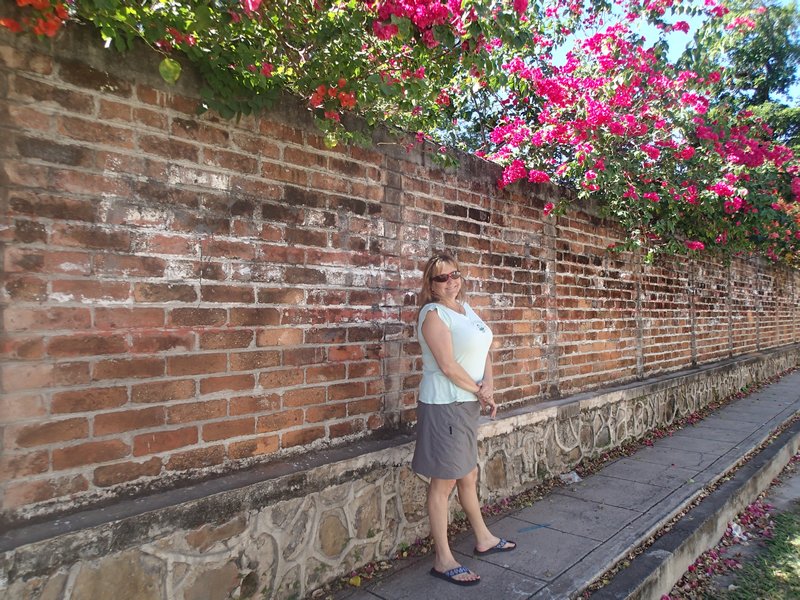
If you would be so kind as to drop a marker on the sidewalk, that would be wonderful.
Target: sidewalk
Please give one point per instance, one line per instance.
(574, 535)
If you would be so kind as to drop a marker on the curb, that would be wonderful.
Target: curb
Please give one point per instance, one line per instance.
(654, 572)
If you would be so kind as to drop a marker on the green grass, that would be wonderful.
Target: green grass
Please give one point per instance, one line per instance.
(775, 572)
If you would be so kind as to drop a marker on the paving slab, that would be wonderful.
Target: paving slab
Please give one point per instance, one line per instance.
(615, 492)
(541, 553)
(631, 469)
(594, 520)
(734, 435)
(694, 442)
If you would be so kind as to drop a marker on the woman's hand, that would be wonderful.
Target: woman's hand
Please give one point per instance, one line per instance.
(485, 397)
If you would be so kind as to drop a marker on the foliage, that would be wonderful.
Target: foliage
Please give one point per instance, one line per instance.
(616, 121)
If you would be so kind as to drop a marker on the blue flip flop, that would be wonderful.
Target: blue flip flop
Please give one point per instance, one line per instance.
(500, 547)
(451, 576)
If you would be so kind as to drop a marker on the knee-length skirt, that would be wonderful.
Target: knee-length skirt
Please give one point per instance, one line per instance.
(447, 439)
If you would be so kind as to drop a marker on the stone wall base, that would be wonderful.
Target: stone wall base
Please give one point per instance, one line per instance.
(281, 531)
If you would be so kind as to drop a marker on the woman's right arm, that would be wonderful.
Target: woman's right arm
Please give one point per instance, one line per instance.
(437, 336)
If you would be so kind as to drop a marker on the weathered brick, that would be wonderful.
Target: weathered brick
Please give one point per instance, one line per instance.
(255, 359)
(54, 318)
(78, 290)
(327, 372)
(190, 412)
(337, 430)
(229, 429)
(163, 391)
(212, 385)
(128, 368)
(316, 414)
(86, 345)
(90, 236)
(51, 432)
(198, 317)
(164, 441)
(242, 405)
(89, 453)
(164, 292)
(129, 420)
(91, 399)
(259, 446)
(279, 378)
(161, 341)
(109, 475)
(197, 458)
(195, 364)
(301, 437)
(30, 492)
(255, 317)
(16, 466)
(304, 397)
(227, 293)
(213, 340)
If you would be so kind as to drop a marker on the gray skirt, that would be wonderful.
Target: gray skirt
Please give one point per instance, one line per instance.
(447, 439)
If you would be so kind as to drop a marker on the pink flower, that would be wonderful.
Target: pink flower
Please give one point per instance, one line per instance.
(538, 177)
(266, 70)
(250, 6)
(520, 6)
(686, 153)
(548, 208)
(513, 172)
(652, 196)
(694, 245)
(651, 151)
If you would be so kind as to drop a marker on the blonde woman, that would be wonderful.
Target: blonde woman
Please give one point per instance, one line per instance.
(456, 385)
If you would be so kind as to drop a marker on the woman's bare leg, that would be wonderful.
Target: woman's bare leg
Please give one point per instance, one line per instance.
(468, 497)
(438, 501)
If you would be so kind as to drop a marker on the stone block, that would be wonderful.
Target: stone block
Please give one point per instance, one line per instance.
(333, 534)
(214, 584)
(142, 574)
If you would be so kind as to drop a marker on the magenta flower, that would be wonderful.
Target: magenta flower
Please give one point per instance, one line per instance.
(694, 245)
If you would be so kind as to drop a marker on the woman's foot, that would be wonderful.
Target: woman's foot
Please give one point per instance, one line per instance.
(458, 575)
(494, 544)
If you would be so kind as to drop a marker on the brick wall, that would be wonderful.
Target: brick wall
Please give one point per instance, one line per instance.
(184, 295)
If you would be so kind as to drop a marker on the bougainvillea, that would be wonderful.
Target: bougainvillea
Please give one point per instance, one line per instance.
(562, 91)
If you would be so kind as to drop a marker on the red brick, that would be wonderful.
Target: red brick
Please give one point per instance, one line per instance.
(198, 317)
(22, 347)
(280, 378)
(122, 265)
(281, 296)
(227, 293)
(91, 399)
(304, 396)
(163, 441)
(129, 420)
(23, 288)
(89, 236)
(320, 373)
(89, 453)
(279, 421)
(256, 359)
(344, 391)
(109, 475)
(191, 412)
(161, 341)
(303, 356)
(31, 492)
(79, 290)
(267, 444)
(364, 406)
(301, 437)
(337, 430)
(41, 434)
(365, 369)
(86, 345)
(164, 292)
(163, 391)
(128, 368)
(128, 318)
(242, 405)
(196, 459)
(214, 340)
(315, 414)
(343, 353)
(20, 407)
(326, 335)
(228, 429)
(255, 316)
(53, 318)
(212, 385)
(16, 466)
(93, 131)
(284, 336)
(197, 364)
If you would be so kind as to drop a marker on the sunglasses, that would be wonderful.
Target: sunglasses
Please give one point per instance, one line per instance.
(445, 276)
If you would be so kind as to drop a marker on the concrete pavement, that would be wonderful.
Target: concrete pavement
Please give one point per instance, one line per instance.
(575, 534)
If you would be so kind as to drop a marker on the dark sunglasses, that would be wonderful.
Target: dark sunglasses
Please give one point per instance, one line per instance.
(445, 276)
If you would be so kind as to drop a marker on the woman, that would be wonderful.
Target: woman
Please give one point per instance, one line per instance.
(456, 384)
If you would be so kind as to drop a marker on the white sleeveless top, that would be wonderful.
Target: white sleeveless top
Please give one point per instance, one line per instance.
(471, 339)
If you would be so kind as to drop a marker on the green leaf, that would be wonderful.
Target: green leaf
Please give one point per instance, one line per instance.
(170, 70)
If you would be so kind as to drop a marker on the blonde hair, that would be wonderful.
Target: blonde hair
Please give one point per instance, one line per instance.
(426, 295)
